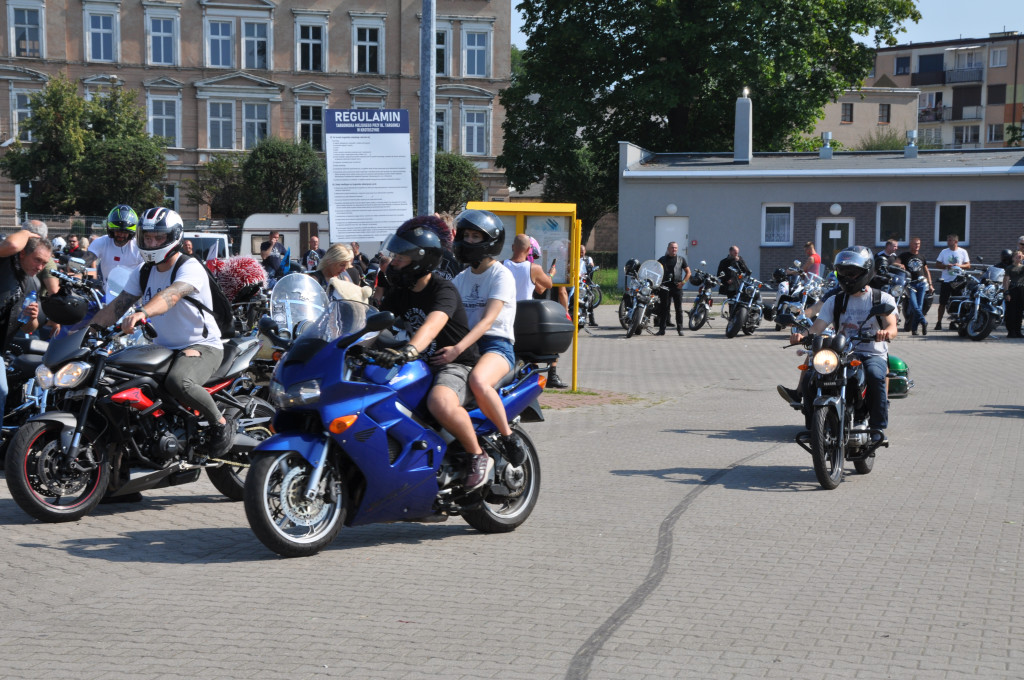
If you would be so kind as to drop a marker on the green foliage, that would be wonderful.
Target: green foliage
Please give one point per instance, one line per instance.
(1014, 135)
(218, 184)
(574, 182)
(666, 74)
(85, 156)
(808, 144)
(274, 172)
(456, 182)
(883, 139)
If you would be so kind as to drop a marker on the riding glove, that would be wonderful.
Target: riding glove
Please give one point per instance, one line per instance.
(396, 357)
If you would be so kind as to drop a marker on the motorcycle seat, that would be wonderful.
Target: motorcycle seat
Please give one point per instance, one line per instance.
(26, 364)
(29, 346)
(232, 348)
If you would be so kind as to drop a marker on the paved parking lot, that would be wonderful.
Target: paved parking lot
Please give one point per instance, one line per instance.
(680, 533)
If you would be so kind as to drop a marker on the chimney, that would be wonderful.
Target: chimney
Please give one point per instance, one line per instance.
(743, 142)
(825, 152)
(910, 150)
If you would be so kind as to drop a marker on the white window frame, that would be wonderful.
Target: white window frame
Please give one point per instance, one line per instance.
(16, 112)
(300, 121)
(930, 136)
(964, 135)
(314, 22)
(878, 222)
(443, 54)
(31, 6)
(247, 142)
(95, 9)
(997, 57)
(443, 126)
(208, 41)
(485, 111)
(209, 124)
(366, 20)
(488, 30)
(268, 38)
(940, 240)
(990, 131)
(163, 15)
(173, 197)
(764, 224)
(151, 115)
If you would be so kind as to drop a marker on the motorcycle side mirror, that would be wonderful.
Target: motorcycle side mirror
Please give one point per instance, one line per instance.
(796, 263)
(268, 326)
(379, 321)
(703, 263)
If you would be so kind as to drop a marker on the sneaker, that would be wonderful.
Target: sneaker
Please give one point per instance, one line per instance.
(555, 382)
(791, 396)
(514, 449)
(924, 328)
(220, 439)
(480, 466)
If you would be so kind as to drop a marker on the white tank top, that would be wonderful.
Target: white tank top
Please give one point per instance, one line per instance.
(521, 273)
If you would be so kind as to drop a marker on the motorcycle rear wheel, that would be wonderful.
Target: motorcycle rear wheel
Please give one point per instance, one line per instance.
(623, 315)
(698, 317)
(828, 449)
(736, 322)
(277, 509)
(230, 479)
(598, 295)
(501, 514)
(865, 466)
(980, 327)
(40, 486)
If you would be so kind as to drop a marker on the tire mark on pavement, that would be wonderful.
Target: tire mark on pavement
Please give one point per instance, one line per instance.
(584, 657)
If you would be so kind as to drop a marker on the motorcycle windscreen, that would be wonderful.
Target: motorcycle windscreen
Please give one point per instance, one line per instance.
(342, 319)
(115, 283)
(296, 299)
(652, 271)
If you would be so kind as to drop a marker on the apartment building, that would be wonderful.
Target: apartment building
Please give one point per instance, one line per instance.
(216, 76)
(970, 89)
(856, 116)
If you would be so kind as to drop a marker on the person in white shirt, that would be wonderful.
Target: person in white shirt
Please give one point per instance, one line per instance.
(951, 256)
(118, 248)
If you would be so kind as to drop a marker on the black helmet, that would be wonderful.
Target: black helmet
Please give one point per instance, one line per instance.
(484, 222)
(65, 308)
(632, 266)
(1005, 256)
(854, 267)
(423, 248)
(122, 219)
(779, 275)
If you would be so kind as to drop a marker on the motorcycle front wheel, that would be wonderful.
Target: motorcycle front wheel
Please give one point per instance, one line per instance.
(981, 326)
(230, 479)
(827, 447)
(280, 514)
(502, 512)
(736, 322)
(636, 320)
(42, 484)
(598, 295)
(698, 316)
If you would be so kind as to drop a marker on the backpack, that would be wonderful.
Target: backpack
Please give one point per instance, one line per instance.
(221, 312)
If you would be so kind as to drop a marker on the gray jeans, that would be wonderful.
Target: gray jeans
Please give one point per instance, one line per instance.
(188, 374)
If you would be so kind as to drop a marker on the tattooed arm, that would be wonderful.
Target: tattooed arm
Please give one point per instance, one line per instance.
(161, 304)
(112, 312)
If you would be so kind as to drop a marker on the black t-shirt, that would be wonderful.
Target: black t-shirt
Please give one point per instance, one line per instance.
(669, 262)
(729, 279)
(12, 290)
(272, 262)
(439, 295)
(915, 265)
(449, 266)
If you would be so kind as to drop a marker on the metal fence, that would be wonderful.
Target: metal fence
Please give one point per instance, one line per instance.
(94, 225)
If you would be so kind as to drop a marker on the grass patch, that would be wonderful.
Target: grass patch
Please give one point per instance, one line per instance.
(608, 279)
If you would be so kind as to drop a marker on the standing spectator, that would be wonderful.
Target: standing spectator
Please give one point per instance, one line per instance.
(677, 273)
(1020, 244)
(359, 260)
(273, 252)
(311, 258)
(45, 278)
(919, 286)
(187, 249)
(1013, 286)
(811, 265)
(333, 265)
(951, 256)
(529, 276)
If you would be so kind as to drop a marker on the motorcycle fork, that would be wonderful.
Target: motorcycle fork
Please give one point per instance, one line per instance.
(71, 448)
(318, 470)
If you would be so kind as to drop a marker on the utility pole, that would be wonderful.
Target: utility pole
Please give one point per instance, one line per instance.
(428, 131)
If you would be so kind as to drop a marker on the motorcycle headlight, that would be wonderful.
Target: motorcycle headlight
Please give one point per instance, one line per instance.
(69, 375)
(748, 290)
(826, 361)
(44, 377)
(299, 394)
(990, 291)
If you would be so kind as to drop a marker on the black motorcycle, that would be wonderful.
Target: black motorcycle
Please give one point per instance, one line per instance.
(642, 293)
(745, 308)
(976, 306)
(796, 291)
(702, 304)
(838, 404)
(116, 431)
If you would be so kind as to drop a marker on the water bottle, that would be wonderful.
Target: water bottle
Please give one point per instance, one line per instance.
(29, 299)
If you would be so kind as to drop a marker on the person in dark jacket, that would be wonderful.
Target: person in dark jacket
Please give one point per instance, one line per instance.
(677, 273)
(730, 280)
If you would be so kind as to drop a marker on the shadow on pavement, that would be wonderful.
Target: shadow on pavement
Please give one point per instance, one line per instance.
(790, 478)
(760, 433)
(992, 411)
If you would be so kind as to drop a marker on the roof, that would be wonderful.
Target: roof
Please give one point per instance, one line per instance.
(969, 162)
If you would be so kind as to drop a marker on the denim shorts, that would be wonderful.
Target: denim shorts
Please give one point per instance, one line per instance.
(500, 346)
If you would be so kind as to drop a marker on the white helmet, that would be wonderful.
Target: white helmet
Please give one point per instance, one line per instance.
(160, 222)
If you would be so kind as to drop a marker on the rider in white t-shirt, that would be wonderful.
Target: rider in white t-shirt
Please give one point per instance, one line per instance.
(118, 248)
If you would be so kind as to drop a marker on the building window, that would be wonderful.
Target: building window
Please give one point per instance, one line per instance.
(474, 132)
(256, 119)
(442, 57)
(966, 134)
(163, 119)
(222, 125)
(311, 125)
(997, 58)
(476, 53)
(21, 114)
(777, 225)
(311, 47)
(101, 36)
(163, 40)
(902, 66)
(994, 133)
(220, 42)
(441, 118)
(26, 34)
(847, 113)
(930, 137)
(884, 111)
(996, 94)
(893, 221)
(170, 192)
(255, 44)
(871, 73)
(969, 59)
(368, 45)
(952, 218)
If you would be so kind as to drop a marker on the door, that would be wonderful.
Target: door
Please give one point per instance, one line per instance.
(833, 236)
(668, 229)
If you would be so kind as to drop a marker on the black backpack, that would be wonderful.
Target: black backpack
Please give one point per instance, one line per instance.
(221, 312)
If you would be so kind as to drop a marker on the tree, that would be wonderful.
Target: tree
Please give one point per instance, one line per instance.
(574, 182)
(218, 185)
(1014, 135)
(456, 182)
(665, 75)
(121, 170)
(275, 171)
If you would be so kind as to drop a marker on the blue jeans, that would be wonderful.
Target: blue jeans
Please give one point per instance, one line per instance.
(875, 370)
(916, 292)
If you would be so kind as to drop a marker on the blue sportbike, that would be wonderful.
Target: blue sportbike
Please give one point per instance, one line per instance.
(355, 443)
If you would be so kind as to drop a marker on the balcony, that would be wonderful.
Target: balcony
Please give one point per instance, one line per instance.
(967, 113)
(928, 78)
(965, 75)
(930, 115)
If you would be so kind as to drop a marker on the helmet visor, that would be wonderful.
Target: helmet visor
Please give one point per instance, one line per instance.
(396, 245)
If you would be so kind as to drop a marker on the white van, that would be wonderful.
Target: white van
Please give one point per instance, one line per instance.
(295, 230)
(204, 242)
